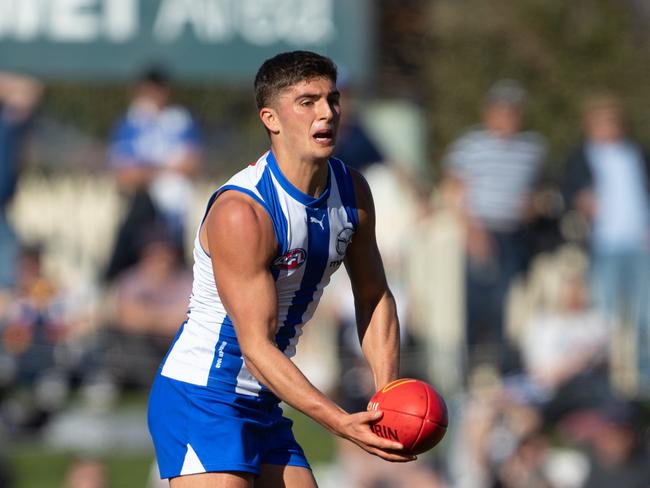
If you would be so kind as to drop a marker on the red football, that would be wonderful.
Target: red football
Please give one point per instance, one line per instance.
(414, 414)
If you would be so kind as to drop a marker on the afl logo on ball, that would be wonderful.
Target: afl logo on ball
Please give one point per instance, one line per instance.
(291, 260)
(343, 239)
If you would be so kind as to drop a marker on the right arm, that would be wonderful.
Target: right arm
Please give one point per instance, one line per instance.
(241, 242)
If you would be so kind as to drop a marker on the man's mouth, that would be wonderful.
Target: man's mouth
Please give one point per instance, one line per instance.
(324, 137)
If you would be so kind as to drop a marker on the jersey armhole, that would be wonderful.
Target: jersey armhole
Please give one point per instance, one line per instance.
(345, 183)
(245, 191)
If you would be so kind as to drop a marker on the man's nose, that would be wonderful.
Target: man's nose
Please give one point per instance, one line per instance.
(325, 110)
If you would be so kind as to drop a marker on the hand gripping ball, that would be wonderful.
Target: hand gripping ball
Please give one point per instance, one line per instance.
(414, 414)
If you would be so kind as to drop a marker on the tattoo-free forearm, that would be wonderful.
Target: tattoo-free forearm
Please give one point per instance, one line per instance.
(275, 370)
(380, 340)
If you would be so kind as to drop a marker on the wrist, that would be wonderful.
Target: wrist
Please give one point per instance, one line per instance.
(332, 417)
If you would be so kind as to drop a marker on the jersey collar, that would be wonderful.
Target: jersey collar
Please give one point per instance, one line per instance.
(294, 192)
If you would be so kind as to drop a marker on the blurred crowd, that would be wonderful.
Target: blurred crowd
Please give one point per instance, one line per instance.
(522, 296)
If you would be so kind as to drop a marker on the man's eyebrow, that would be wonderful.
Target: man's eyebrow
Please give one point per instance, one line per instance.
(316, 96)
(313, 96)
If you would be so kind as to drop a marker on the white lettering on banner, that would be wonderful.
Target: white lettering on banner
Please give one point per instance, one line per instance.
(314, 23)
(173, 15)
(220, 20)
(265, 22)
(20, 19)
(210, 20)
(73, 21)
(121, 19)
(259, 22)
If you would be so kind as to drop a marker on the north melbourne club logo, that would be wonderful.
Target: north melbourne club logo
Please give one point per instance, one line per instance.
(292, 259)
(343, 240)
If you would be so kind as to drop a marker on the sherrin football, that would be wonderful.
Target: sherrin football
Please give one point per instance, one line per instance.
(414, 414)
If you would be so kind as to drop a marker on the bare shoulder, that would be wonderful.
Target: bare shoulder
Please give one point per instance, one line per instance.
(234, 208)
(237, 222)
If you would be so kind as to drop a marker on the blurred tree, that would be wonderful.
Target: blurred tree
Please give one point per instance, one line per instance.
(559, 50)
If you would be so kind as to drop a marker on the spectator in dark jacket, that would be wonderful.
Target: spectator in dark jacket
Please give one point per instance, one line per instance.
(19, 96)
(607, 183)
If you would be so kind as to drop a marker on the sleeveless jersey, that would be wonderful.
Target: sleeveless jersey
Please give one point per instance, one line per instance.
(312, 237)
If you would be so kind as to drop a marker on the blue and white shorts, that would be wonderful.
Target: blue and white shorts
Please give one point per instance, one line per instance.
(194, 430)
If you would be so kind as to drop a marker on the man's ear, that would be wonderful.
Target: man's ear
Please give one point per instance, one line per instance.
(270, 120)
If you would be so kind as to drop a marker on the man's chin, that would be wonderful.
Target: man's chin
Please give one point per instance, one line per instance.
(324, 152)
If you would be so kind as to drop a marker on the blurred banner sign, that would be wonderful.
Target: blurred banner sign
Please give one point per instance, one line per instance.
(195, 39)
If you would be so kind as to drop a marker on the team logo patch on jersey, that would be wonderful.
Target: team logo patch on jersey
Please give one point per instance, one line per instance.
(291, 260)
(343, 240)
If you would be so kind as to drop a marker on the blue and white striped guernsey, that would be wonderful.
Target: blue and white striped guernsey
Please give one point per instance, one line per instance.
(312, 235)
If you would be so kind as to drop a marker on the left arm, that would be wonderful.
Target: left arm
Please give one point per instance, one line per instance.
(377, 322)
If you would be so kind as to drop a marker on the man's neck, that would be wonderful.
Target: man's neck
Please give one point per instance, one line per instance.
(308, 176)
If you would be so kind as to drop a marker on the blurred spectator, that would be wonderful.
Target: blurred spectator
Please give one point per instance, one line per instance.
(354, 146)
(19, 96)
(608, 182)
(491, 172)
(619, 453)
(565, 346)
(362, 471)
(155, 150)
(33, 330)
(526, 466)
(150, 304)
(492, 426)
(86, 473)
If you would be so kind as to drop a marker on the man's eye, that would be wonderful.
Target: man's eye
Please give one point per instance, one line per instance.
(306, 103)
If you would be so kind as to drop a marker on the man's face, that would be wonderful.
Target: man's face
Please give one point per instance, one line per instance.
(604, 125)
(306, 118)
(502, 118)
(152, 93)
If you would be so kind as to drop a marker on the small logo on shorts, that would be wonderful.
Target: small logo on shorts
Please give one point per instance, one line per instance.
(291, 260)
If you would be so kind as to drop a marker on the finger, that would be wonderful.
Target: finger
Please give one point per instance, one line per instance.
(392, 456)
(369, 416)
(371, 439)
(381, 443)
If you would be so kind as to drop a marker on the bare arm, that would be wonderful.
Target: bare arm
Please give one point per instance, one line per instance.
(132, 177)
(376, 312)
(241, 242)
(187, 162)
